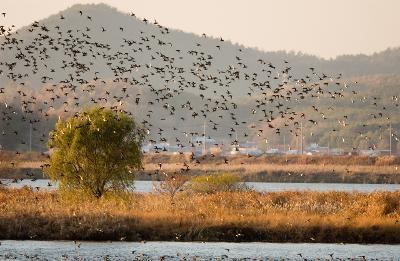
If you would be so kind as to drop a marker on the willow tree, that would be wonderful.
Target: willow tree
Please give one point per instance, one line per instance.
(95, 151)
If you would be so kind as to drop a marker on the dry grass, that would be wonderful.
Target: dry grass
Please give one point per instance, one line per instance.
(352, 160)
(228, 216)
(9, 156)
(254, 168)
(327, 169)
(20, 165)
(339, 169)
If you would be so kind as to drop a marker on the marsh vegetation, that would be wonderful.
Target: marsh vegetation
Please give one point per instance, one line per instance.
(221, 216)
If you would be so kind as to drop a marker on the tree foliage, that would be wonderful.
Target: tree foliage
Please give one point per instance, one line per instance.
(95, 151)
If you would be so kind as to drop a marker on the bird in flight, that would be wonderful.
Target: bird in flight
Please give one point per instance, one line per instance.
(190, 96)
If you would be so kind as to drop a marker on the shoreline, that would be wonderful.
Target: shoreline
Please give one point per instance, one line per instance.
(262, 176)
(294, 173)
(248, 216)
(292, 169)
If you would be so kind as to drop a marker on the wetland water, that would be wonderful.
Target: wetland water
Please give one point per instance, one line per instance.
(68, 250)
(147, 186)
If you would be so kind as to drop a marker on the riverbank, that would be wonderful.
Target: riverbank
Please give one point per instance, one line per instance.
(325, 217)
(295, 169)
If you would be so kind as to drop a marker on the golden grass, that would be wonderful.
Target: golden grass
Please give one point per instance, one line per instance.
(347, 160)
(346, 169)
(227, 216)
(254, 168)
(294, 168)
(8, 156)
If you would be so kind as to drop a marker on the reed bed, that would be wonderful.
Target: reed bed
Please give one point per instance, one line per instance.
(348, 160)
(255, 168)
(226, 216)
(291, 168)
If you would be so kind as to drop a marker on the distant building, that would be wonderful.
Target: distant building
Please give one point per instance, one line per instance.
(374, 153)
(273, 152)
(200, 140)
(293, 152)
(336, 152)
(204, 145)
(314, 149)
(247, 148)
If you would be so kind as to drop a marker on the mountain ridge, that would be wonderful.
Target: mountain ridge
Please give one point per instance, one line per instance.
(388, 52)
(153, 61)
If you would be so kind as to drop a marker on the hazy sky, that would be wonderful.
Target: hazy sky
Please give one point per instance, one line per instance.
(323, 27)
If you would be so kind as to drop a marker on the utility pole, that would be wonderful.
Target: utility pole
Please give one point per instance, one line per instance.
(284, 147)
(237, 142)
(301, 137)
(329, 144)
(30, 137)
(284, 143)
(192, 147)
(390, 138)
(204, 138)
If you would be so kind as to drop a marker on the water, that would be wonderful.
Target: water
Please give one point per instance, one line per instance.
(148, 186)
(261, 186)
(67, 250)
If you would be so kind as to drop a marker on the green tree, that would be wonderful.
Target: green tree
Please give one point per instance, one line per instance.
(95, 151)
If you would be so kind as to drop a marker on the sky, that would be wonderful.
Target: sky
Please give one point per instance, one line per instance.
(325, 28)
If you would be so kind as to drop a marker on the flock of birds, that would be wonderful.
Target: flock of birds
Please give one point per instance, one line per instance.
(179, 257)
(174, 89)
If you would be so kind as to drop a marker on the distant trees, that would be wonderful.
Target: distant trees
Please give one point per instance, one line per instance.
(95, 151)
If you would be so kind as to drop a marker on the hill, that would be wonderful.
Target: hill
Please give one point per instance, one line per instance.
(175, 82)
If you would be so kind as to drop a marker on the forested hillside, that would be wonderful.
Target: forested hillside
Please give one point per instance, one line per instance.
(186, 80)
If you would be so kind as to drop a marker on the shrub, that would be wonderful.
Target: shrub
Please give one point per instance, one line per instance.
(172, 184)
(217, 183)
